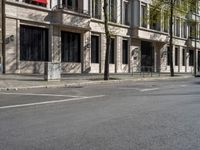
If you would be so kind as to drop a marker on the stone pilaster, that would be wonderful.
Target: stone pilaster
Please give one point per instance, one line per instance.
(86, 52)
(118, 54)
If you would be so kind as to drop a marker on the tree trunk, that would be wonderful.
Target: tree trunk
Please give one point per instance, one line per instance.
(171, 39)
(108, 41)
(3, 35)
(195, 47)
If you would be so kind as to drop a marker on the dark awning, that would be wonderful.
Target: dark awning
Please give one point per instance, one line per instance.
(41, 1)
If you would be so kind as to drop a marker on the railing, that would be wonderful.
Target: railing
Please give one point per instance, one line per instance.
(69, 8)
(145, 71)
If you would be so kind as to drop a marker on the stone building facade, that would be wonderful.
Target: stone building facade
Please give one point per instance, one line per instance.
(71, 32)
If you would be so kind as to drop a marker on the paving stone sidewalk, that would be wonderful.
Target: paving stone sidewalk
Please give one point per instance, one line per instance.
(14, 82)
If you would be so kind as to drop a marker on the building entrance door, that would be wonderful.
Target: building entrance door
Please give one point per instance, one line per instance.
(147, 56)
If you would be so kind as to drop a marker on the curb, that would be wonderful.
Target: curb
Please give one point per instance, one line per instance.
(76, 85)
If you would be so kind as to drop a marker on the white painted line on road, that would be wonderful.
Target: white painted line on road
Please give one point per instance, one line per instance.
(33, 94)
(50, 102)
(152, 89)
(127, 88)
(183, 85)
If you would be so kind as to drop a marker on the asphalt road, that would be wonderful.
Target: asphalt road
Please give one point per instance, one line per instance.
(147, 115)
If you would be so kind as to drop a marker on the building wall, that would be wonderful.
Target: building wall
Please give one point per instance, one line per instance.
(58, 20)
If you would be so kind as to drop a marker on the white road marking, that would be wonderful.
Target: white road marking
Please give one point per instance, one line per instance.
(50, 102)
(33, 94)
(183, 85)
(152, 89)
(127, 88)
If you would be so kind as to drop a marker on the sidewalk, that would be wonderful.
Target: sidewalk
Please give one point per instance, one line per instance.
(15, 82)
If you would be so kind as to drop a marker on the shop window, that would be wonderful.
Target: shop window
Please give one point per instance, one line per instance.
(183, 57)
(33, 43)
(191, 58)
(95, 49)
(125, 52)
(112, 51)
(70, 47)
(176, 56)
(168, 56)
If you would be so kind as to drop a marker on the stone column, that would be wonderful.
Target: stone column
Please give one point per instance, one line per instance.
(86, 52)
(18, 47)
(118, 54)
(173, 57)
(187, 60)
(118, 9)
(160, 47)
(155, 47)
(52, 69)
(55, 44)
(102, 52)
(11, 46)
(180, 58)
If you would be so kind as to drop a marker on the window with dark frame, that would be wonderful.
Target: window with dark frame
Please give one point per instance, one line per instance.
(95, 49)
(144, 15)
(96, 9)
(191, 58)
(166, 22)
(183, 57)
(112, 51)
(168, 56)
(126, 11)
(176, 56)
(184, 29)
(192, 31)
(112, 10)
(71, 4)
(125, 52)
(155, 16)
(33, 43)
(70, 47)
(177, 27)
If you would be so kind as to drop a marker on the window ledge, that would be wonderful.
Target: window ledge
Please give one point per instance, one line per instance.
(154, 31)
